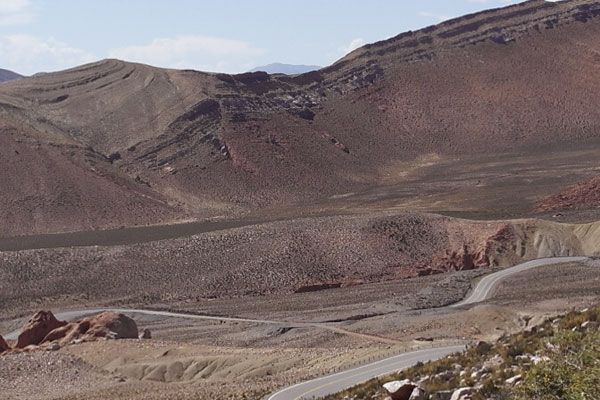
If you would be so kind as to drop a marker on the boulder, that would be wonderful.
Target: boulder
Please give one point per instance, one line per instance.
(36, 329)
(53, 347)
(3, 345)
(400, 390)
(107, 325)
(462, 394)
(146, 334)
(513, 380)
(418, 393)
(442, 395)
(482, 347)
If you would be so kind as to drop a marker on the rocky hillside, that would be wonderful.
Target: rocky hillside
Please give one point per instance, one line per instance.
(557, 360)
(114, 143)
(285, 257)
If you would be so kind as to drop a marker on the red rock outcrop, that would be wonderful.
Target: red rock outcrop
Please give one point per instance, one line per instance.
(584, 194)
(36, 329)
(3, 345)
(106, 325)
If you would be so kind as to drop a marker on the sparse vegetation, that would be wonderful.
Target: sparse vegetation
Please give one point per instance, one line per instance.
(558, 360)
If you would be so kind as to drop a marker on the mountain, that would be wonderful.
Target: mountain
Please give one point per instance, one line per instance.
(6, 75)
(487, 113)
(288, 69)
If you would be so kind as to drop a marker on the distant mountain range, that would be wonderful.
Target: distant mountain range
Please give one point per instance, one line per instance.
(6, 75)
(288, 69)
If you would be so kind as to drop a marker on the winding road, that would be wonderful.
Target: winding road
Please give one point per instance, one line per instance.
(343, 380)
(334, 383)
(486, 286)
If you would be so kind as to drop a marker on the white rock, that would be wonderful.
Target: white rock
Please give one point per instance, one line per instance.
(493, 362)
(537, 359)
(513, 380)
(418, 393)
(400, 390)
(462, 394)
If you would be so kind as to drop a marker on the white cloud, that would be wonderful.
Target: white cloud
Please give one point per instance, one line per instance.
(347, 48)
(15, 12)
(203, 53)
(353, 45)
(438, 17)
(11, 6)
(28, 54)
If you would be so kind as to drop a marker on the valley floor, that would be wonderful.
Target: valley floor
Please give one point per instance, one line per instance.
(248, 360)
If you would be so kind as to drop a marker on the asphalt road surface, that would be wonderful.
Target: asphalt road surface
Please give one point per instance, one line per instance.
(485, 287)
(334, 383)
(118, 237)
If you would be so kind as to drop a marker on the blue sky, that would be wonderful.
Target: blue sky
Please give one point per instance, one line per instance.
(218, 35)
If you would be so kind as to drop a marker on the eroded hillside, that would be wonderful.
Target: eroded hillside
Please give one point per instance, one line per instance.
(284, 257)
(522, 79)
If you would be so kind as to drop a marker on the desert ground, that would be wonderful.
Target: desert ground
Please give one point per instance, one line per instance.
(338, 329)
(316, 222)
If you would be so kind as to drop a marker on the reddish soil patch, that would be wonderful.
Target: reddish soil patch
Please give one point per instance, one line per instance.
(582, 195)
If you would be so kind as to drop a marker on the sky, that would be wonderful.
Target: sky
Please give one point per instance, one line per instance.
(209, 35)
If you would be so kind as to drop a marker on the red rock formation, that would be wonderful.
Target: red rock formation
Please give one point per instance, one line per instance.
(3, 345)
(37, 328)
(107, 325)
(582, 195)
(318, 286)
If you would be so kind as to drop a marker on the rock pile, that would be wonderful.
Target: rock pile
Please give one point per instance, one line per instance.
(36, 329)
(407, 390)
(43, 329)
(108, 325)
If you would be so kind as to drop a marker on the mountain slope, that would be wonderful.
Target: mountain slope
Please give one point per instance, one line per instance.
(517, 80)
(6, 75)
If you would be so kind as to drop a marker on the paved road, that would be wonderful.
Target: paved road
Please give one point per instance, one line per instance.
(486, 286)
(343, 380)
(122, 236)
(334, 383)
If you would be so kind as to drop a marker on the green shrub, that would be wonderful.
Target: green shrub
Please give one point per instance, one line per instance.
(573, 372)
